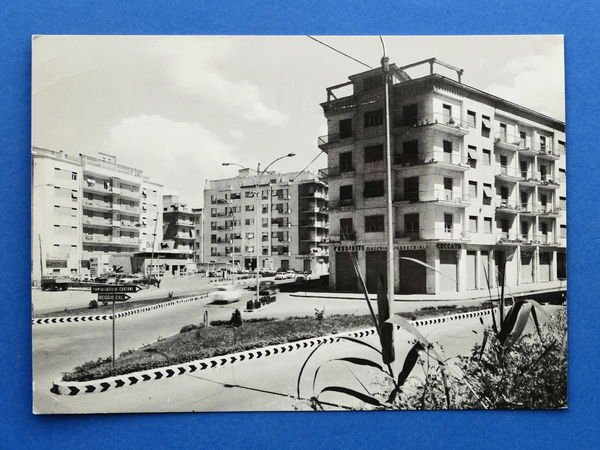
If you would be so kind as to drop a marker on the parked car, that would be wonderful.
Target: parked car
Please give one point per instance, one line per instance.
(54, 283)
(227, 294)
(281, 276)
(290, 275)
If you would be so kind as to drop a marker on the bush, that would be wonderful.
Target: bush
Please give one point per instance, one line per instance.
(170, 294)
(93, 304)
(319, 314)
(189, 327)
(249, 305)
(257, 304)
(236, 319)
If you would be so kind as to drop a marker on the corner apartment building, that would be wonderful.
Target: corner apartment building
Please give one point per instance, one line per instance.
(293, 221)
(178, 225)
(198, 236)
(85, 210)
(478, 185)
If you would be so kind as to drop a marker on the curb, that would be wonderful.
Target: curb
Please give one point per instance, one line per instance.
(104, 384)
(143, 309)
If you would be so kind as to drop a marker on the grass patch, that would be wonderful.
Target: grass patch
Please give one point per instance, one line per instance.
(199, 342)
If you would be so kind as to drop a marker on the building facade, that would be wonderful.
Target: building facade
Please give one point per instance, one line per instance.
(85, 210)
(198, 236)
(478, 186)
(292, 232)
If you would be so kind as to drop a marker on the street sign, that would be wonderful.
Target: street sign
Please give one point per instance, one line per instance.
(114, 297)
(114, 288)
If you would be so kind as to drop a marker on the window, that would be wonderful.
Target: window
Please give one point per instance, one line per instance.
(346, 194)
(524, 200)
(504, 225)
(249, 207)
(472, 156)
(373, 82)
(249, 222)
(487, 194)
(503, 132)
(213, 212)
(74, 176)
(411, 189)
(213, 226)
(213, 238)
(447, 112)
(373, 118)
(374, 153)
(473, 224)
(563, 231)
(249, 249)
(486, 126)
(265, 209)
(411, 223)
(447, 151)
(410, 114)
(265, 222)
(472, 119)
(346, 162)
(543, 143)
(346, 227)
(487, 157)
(448, 223)
(345, 128)
(249, 235)
(522, 139)
(265, 236)
(448, 182)
(410, 150)
(265, 194)
(373, 189)
(374, 224)
(487, 225)
(473, 189)
(544, 228)
(249, 194)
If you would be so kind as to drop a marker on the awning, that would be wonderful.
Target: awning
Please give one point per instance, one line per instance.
(486, 123)
(472, 153)
(487, 191)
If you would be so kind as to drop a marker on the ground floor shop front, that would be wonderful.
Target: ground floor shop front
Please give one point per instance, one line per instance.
(438, 267)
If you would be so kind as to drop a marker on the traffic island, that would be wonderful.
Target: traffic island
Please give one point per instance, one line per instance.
(173, 356)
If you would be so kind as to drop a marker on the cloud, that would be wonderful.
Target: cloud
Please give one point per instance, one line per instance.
(195, 68)
(530, 79)
(181, 155)
(237, 134)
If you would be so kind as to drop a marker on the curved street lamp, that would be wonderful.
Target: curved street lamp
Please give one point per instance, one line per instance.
(257, 179)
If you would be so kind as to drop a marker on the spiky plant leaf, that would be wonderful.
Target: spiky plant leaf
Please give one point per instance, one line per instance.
(352, 393)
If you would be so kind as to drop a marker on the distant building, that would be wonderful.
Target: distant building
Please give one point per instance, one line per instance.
(293, 224)
(85, 211)
(178, 236)
(477, 181)
(198, 236)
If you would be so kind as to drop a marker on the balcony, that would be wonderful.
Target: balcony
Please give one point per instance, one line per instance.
(129, 193)
(315, 238)
(441, 196)
(315, 224)
(527, 209)
(128, 208)
(508, 238)
(508, 142)
(329, 140)
(344, 204)
(112, 240)
(547, 183)
(97, 221)
(433, 234)
(184, 223)
(544, 239)
(507, 208)
(129, 224)
(334, 172)
(547, 154)
(436, 121)
(349, 236)
(509, 174)
(443, 160)
(549, 211)
(97, 204)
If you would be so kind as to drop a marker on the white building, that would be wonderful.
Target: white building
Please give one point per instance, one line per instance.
(478, 182)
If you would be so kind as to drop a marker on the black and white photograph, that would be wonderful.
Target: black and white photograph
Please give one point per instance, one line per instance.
(298, 223)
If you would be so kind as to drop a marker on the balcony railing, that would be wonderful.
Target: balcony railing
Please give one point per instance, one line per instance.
(508, 237)
(453, 233)
(341, 203)
(323, 142)
(440, 121)
(97, 221)
(433, 157)
(434, 195)
(331, 172)
(508, 141)
(505, 206)
(508, 173)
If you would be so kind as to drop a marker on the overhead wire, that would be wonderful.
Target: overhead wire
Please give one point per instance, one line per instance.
(339, 51)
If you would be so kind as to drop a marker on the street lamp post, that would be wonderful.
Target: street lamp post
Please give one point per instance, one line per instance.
(257, 179)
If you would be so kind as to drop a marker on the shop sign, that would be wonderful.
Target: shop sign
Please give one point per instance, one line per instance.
(449, 246)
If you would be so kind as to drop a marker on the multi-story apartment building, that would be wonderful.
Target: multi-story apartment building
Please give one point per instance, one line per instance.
(151, 215)
(198, 236)
(293, 221)
(478, 186)
(84, 210)
(178, 225)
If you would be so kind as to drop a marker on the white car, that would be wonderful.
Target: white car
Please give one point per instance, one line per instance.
(227, 294)
(290, 275)
(281, 276)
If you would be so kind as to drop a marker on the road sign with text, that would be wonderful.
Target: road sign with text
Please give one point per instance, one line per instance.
(115, 288)
(115, 297)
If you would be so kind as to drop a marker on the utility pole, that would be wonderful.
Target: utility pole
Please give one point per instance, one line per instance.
(385, 66)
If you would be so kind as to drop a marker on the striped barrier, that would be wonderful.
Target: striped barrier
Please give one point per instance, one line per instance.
(104, 384)
(131, 312)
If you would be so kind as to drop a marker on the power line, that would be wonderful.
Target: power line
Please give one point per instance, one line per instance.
(308, 165)
(339, 51)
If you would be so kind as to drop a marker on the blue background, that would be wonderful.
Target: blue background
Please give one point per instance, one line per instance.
(577, 427)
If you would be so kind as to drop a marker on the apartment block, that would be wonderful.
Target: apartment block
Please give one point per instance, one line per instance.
(178, 225)
(292, 230)
(198, 236)
(85, 209)
(478, 185)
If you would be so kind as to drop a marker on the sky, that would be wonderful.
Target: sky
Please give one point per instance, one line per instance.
(177, 107)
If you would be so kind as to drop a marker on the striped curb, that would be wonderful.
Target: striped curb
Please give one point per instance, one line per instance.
(104, 384)
(131, 312)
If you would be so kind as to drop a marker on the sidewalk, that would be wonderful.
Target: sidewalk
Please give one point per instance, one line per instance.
(478, 295)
